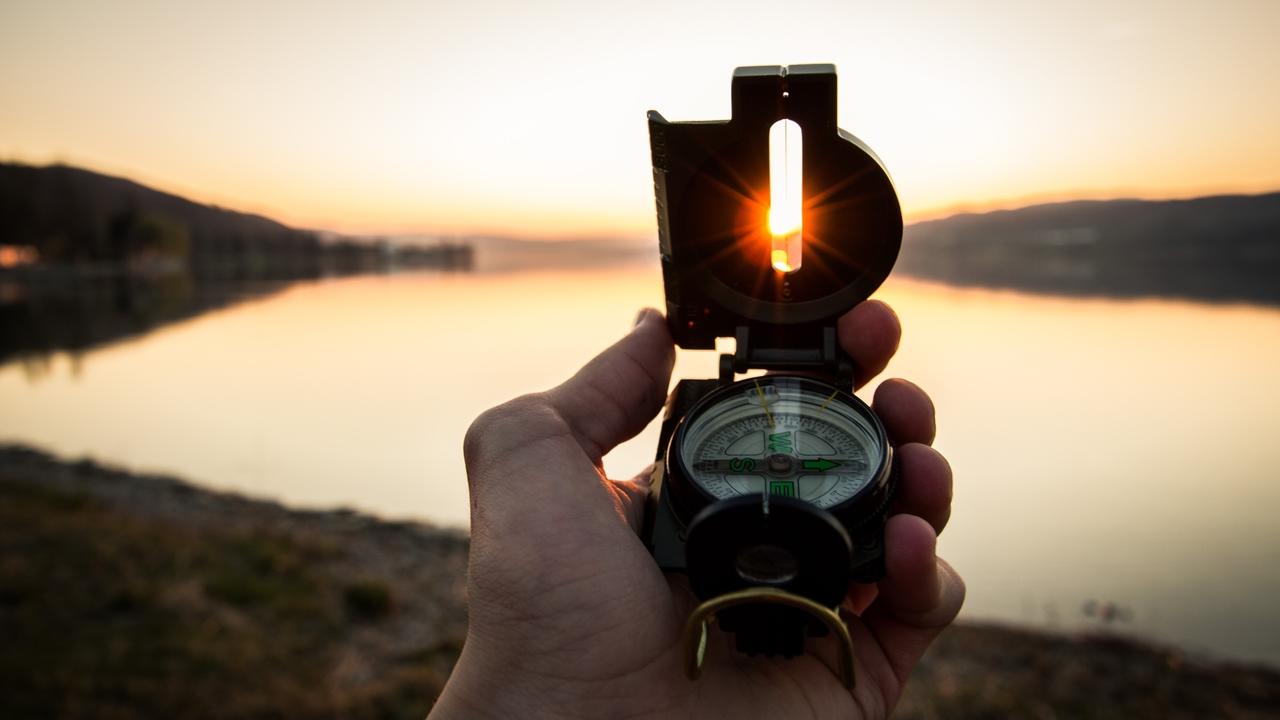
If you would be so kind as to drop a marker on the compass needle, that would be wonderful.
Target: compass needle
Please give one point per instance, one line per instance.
(764, 404)
(827, 402)
(820, 465)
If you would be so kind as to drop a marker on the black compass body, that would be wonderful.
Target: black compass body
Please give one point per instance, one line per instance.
(780, 480)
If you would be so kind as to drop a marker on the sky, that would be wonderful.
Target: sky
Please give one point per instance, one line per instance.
(528, 118)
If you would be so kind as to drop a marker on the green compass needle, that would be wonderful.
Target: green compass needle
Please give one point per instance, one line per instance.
(820, 465)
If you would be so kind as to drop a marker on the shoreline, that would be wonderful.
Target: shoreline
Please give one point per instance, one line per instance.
(158, 597)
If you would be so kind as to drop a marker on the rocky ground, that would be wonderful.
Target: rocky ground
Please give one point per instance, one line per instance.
(126, 596)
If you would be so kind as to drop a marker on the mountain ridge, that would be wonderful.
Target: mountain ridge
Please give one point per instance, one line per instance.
(1223, 247)
(1216, 248)
(77, 201)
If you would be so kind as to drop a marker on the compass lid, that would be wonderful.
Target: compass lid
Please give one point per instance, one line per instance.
(713, 192)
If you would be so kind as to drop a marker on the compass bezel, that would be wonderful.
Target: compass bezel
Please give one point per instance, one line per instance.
(689, 497)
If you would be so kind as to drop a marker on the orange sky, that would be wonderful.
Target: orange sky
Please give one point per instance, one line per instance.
(528, 118)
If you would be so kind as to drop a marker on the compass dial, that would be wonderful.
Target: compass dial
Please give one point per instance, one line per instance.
(782, 436)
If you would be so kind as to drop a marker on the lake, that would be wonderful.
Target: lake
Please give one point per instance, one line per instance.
(1105, 451)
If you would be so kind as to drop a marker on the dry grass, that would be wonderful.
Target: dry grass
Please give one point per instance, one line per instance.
(110, 615)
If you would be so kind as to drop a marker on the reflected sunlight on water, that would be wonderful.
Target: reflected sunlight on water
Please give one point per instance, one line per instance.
(1117, 451)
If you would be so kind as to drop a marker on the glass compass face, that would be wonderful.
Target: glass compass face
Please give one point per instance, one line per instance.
(785, 436)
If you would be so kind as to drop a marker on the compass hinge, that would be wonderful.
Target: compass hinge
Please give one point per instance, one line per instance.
(825, 357)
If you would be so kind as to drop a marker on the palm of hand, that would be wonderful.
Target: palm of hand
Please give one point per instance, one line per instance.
(569, 615)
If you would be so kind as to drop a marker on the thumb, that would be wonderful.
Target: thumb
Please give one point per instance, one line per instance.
(616, 394)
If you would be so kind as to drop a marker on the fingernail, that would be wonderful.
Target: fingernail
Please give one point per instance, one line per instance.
(640, 316)
(650, 476)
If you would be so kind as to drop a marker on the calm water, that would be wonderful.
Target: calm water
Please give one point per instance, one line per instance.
(1114, 451)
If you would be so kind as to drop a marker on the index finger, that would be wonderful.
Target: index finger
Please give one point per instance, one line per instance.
(869, 333)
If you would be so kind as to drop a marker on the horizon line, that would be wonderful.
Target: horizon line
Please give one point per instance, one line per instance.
(971, 207)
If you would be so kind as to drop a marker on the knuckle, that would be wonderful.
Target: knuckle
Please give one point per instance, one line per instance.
(478, 432)
(503, 424)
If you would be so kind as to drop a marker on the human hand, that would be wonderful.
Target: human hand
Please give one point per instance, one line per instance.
(569, 616)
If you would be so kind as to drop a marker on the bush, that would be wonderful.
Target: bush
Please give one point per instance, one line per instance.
(368, 600)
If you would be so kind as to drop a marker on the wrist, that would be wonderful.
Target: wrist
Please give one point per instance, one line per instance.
(482, 688)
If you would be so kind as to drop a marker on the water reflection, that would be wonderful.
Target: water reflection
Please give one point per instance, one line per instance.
(45, 308)
(1115, 452)
(36, 320)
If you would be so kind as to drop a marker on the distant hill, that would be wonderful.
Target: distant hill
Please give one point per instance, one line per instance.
(55, 197)
(76, 218)
(74, 215)
(1223, 248)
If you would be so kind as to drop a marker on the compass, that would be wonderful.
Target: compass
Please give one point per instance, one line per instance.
(772, 490)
